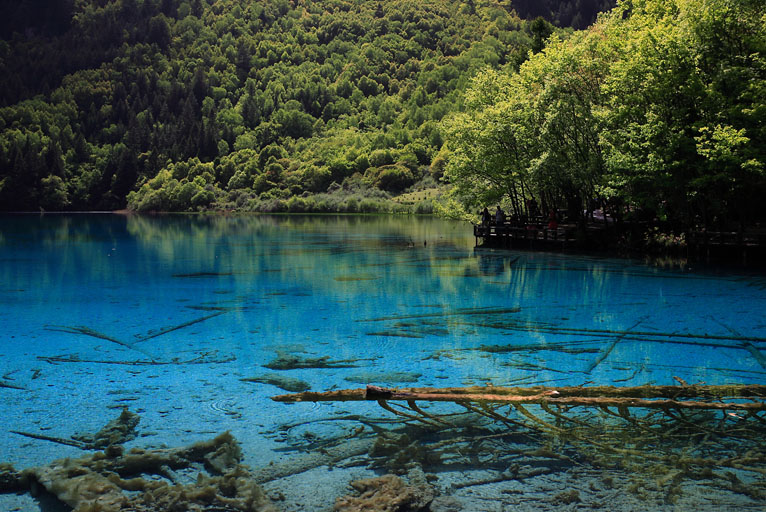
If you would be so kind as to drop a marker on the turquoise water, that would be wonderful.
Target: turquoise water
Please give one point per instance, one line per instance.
(166, 315)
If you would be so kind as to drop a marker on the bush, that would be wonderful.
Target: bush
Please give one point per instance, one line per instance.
(369, 206)
(300, 204)
(381, 157)
(54, 195)
(437, 167)
(181, 198)
(153, 201)
(202, 198)
(394, 178)
(425, 207)
(316, 179)
(352, 205)
(240, 179)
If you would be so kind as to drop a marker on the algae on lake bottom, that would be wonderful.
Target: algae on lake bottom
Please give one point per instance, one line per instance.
(112, 481)
(280, 381)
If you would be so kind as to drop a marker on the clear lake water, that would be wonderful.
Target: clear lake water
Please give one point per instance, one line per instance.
(166, 315)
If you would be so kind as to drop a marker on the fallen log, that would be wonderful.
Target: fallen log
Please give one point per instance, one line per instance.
(651, 397)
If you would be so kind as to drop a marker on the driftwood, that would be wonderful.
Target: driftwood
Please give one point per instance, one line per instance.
(664, 434)
(650, 397)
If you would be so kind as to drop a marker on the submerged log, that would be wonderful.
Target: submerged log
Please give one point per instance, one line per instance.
(651, 397)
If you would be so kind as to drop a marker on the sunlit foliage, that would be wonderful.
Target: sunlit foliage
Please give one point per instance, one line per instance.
(656, 112)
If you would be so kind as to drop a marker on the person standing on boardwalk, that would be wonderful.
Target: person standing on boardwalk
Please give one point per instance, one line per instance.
(499, 216)
(553, 222)
(486, 218)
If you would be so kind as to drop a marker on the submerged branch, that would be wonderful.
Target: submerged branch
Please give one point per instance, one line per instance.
(608, 349)
(87, 331)
(205, 358)
(10, 386)
(58, 440)
(177, 327)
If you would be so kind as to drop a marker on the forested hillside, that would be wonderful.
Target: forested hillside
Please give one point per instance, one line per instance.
(656, 113)
(257, 105)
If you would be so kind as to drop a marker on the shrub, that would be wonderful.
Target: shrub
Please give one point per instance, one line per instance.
(240, 179)
(424, 207)
(352, 205)
(316, 179)
(394, 178)
(202, 198)
(381, 157)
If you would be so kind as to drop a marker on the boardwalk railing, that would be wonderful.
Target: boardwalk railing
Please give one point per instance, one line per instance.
(528, 235)
(747, 247)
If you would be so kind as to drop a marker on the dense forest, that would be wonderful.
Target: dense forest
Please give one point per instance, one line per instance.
(657, 113)
(272, 105)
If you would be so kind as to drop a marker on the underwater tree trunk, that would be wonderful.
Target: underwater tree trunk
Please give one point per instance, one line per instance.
(651, 397)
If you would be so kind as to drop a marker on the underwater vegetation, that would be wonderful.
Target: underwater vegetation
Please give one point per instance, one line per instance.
(660, 439)
(118, 431)
(388, 493)
(280, 381)
(654, 444)
(203, 476)
(285, 361)
(112, 481)
(138, 338)
(383, 377)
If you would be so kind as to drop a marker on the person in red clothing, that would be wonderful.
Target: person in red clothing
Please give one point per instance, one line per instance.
(553, 222)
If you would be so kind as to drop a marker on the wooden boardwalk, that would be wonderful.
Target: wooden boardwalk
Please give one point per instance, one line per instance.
(744, 248)
(525, 236)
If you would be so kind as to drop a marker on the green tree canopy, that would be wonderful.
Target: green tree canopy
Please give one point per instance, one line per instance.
(656, 111)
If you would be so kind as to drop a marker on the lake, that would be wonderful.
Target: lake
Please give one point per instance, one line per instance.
(193, 322)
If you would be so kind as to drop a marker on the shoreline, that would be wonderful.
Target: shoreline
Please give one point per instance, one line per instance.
(595, 240)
